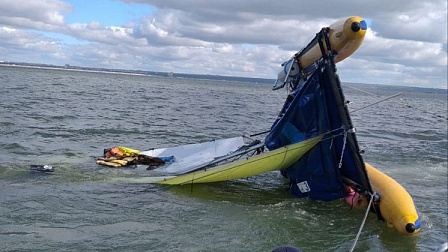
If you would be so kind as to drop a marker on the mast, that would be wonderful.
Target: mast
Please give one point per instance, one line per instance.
(316, 105)
(341, 103)
(351, 143)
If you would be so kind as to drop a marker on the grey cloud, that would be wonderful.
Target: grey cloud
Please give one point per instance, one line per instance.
(24, 46)
(388, 23)
(427, 22)
(244, 38)
(46, 15)
(406, 52)
(96, 32)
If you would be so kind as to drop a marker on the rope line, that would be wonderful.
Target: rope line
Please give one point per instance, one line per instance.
(401, 102)
(363, 221)
(371, 104)
(343, 149)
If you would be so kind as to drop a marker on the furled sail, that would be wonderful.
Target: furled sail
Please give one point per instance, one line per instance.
(316, 106)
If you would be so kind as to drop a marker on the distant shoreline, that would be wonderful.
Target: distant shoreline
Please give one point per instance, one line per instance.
(201, 76)
(138, 72)
(71, 69)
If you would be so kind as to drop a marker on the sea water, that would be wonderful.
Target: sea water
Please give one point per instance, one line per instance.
(63, 118)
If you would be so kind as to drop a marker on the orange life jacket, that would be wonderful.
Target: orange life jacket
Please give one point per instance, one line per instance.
(113, 152)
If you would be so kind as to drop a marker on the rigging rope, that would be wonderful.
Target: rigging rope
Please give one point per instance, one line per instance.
(399, 102)
(343, 149)
(371, 104)
(363, 221)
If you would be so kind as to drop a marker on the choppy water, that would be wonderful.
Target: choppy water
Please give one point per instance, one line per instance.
(63, 118)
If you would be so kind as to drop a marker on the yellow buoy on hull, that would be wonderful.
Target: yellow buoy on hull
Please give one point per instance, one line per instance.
(344, 37)
(396, 205)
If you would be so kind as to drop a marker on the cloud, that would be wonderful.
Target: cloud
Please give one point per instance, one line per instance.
(426, 21)
(399, 42)
(406, 44)
(397, 62)
(263, 20)
(403, 51)
(98, 33)
(45, 15)
(21, 40)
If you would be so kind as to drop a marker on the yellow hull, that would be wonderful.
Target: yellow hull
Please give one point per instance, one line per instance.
(344, 41)
(273, 160)
(396, 205)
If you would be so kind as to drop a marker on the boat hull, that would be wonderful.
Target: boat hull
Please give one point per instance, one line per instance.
(273, 160)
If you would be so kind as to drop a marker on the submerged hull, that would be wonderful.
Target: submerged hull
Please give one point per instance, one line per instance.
(274, 160)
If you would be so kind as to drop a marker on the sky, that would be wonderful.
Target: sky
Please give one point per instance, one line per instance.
(405, 45)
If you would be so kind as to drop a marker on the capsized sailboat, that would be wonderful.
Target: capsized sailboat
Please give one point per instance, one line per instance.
(312, 142)
(334, 167)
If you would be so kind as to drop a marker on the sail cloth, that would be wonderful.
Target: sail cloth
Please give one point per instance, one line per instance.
(189, 157)
(318, 107)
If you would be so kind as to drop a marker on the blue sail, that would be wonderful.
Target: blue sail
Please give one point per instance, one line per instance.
(317, 107)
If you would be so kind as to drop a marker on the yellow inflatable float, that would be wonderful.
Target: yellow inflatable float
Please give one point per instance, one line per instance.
(345, 36)
(396, 205)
